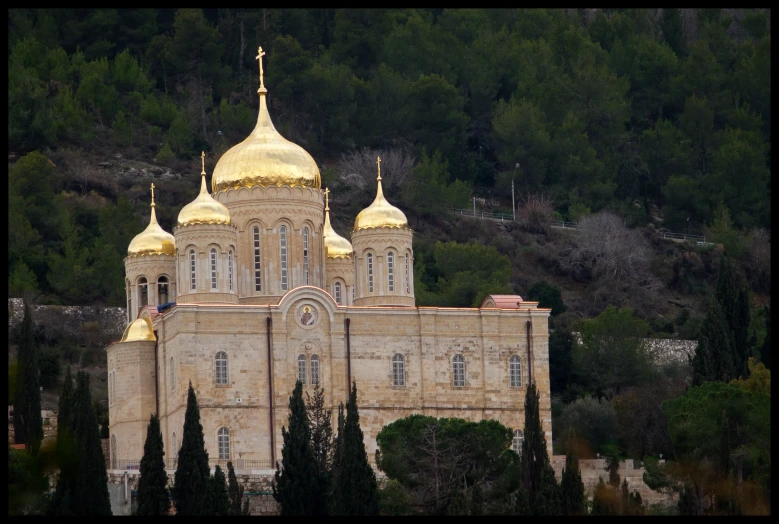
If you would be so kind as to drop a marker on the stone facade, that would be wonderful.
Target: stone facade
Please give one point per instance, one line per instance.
(664, 350)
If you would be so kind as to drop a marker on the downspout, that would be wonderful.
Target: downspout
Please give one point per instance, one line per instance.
(270, 396)
(529, 327)
(156, 378)
(347, 322)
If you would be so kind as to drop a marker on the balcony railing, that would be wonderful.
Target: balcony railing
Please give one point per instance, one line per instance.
(172, 464)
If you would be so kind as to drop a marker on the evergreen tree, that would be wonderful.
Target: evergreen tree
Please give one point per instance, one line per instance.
(724, 450)
(235, 491)
(713, 359)
(216, 502)
(740, 326)
(572, 498)
(296, 485)
(734, 302)
(90, 491)
(355, 491)
(28, 424)
(537, 473)
(192, 474)
(321, 436)
(338, 447)
(601, 499)
(152, 486)
(66, 449)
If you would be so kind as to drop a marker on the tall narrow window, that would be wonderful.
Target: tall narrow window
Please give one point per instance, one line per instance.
(257, 277)
(516, 441)
(315, 370)
(398, 370)
(391, 271)
(143, 288)
(172, 375)
(114, 460)
(223, 438)
(162, 290)
(192, 281)
(283, 241)
(458, 371)
(352, 294)
(515, 372)
(408, 288)
(305, 253)
(213, 268)
(129, 303)
(337, 292)
(302, 369)
(221, 368)
(230, 268)
(369, 259)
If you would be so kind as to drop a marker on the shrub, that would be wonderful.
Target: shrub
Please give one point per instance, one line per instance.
(594, 422)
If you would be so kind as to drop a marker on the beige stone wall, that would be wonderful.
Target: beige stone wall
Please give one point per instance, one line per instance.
(379, 243)
(203, 238)
(340, 270)
(150, 267)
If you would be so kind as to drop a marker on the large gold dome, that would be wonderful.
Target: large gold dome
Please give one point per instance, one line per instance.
(264, 159)
(204, 209)
(380, 214)
(153, 240)
(336, 246)
(139, 329)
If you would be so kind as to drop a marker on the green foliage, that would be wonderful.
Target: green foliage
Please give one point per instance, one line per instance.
(572, 498)
(759, 380)
(216, 502)
(165, 155)
(235, 491)
(723, 232)
(192, 473)
(152, 486)
(28, 425)
(27, 483)
(431, 177)
(592, 420)
(319, 419)
(536, 473)
(548, 296)
(560, 360)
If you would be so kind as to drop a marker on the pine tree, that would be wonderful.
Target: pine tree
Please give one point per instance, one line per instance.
(152, 486)
(28, 424)
(572, 498)
(537, 474)
(192, 474)
(319, 419)
(90, 493)
(296, 486)
(235, 491)
(713, 359)
(66, 449)
(216, 502)
(355, 491)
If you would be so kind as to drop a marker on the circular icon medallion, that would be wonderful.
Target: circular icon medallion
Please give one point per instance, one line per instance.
(307, 315)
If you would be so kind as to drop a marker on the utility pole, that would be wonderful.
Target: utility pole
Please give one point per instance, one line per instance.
(513, 206)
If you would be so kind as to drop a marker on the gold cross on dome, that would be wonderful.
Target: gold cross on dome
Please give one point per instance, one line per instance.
(327, 200)
(260, 54)
(152, 194)
(378, 164)
(203, 162)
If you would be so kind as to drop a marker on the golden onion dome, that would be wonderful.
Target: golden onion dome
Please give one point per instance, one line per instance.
(380, 213)
(137, 330)
(336, 246)
(153, 240)
(265, 158)
(204, 209)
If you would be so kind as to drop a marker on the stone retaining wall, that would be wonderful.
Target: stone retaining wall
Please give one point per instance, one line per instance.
(664, 350)
(49, 426)
(112, 320)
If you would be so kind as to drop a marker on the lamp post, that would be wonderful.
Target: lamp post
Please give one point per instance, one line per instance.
(513, 206)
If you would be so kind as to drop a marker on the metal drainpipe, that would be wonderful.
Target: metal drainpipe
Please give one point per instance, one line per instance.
(157, 372)
(347, 322)
(270, 396)
(528, 328)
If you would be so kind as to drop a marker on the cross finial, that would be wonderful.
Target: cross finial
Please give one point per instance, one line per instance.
(260, 54)
(327, 200)
(203, 162)
(378, 164)
(152, 195)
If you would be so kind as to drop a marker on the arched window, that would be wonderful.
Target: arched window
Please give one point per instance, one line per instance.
(305, 253)
(114, 460)
(129, 303)
(302, 369)
(398, 370)
(230, 268)
(257, 277)
(458, 371)
(515, 372)
(172, 375)
(143, 289)
(516, 441)
(221, 368)
(337, 292)
(391, 270)
(162, 290)
(192, 281)
(315, 370)
(213, 268)
(408, 287)
(369, 260)
(283, 242)
(223, 441)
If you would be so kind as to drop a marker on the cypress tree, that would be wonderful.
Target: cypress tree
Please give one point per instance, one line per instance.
(740, 326)
(192, 474)
(28, 424)
(537, 474)
(152, 486)
(296, 486)
(572, 498)
(319, 419)
(355, 488)
(216, 502)
(338, 446)
(601, 500)
(235, 491)
(66, 449)
(734, 302)
(90, 493)
(713, 359)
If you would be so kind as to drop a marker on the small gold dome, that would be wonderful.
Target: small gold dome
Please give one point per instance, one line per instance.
(380, 213)
(336, 246)
(265, 159)
(139, 329)
(204, 209)
(153, 240)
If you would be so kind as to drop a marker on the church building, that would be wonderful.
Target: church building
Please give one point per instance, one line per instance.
(254, 290)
